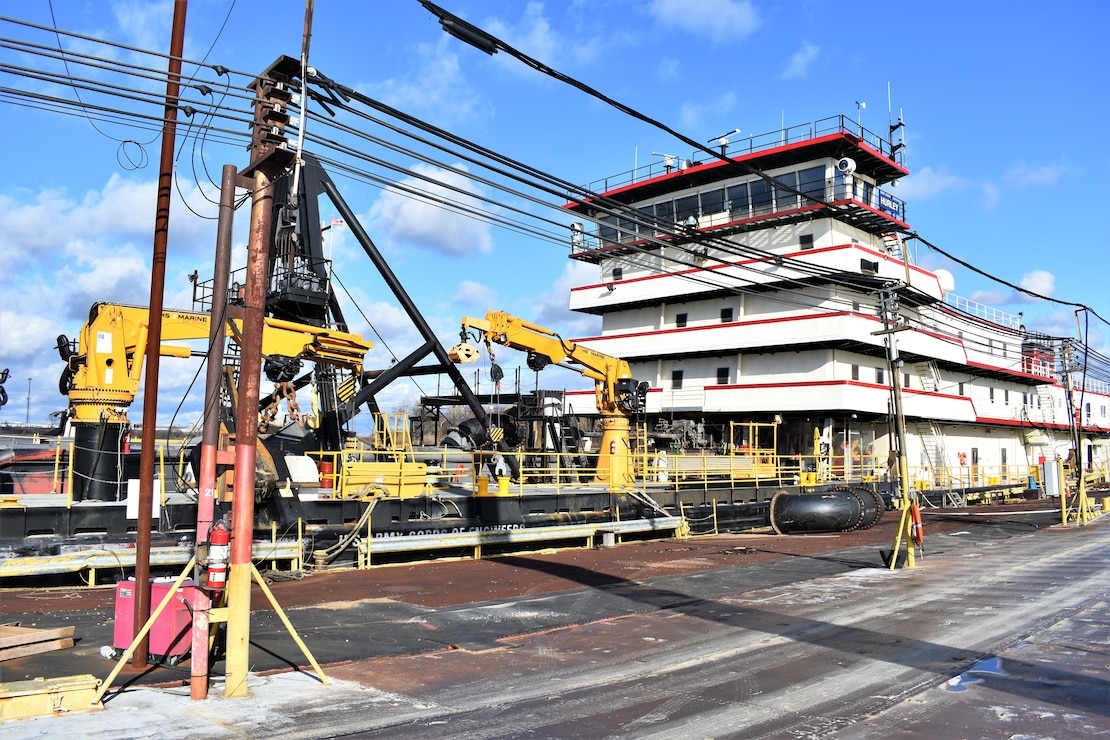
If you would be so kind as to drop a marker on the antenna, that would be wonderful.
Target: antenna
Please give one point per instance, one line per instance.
(723, 139)
(669, 160)
(860, 105)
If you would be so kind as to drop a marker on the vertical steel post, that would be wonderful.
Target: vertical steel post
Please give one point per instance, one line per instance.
(888, 303)
(154, 335)
(210, 433)
(246, 437)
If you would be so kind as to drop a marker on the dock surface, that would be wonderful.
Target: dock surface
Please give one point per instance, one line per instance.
(1002, 630)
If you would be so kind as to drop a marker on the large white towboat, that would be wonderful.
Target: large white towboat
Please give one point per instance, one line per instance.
(764, 284)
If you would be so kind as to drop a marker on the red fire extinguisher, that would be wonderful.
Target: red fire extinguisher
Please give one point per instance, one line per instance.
(219, 553)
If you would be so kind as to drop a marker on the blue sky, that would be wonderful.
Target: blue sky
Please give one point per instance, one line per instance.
(1005, 106)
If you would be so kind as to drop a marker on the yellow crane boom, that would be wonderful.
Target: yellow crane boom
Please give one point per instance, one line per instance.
(102, 376)
(618, 395)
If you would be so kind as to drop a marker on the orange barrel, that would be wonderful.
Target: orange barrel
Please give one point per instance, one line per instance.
(327, 473)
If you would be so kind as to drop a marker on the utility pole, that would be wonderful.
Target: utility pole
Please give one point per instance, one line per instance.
(904, 502)
(154, 333)
(270, 158)
(1075, 427)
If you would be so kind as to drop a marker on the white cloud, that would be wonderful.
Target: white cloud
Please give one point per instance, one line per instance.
(474, 295)
(435, 89)
(552, 308)
(36, 225)
(422, 222)
(928, 182)
(721, 20)
(991, 196)
(1021, 175)
(22, 334)
(92, 274)
(991, 297)
(669, 69)
(801, 61)
(144, 23)
(1041, 282)
(692, 116)
(534, 35)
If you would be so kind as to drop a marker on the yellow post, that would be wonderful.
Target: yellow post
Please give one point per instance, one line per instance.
(57, 463)
(162, 472)
(1064, 507)
(69, 479)
(905, 522)
(237, 660)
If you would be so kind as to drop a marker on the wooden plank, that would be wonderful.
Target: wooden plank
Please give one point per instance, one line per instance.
(12, 636)
(35, 648)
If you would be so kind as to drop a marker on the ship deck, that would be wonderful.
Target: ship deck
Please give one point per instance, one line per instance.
(1002, 627)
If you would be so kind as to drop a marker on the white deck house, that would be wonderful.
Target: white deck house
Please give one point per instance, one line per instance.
(740, 299)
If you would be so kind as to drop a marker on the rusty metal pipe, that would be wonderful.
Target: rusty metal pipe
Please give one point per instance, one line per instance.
(154, 336)
(210, 433)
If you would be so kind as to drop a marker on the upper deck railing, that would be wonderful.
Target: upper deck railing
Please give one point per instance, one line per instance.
(750, 144)
(982, 311)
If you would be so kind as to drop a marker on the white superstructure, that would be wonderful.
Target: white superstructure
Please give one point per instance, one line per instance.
(742, 298)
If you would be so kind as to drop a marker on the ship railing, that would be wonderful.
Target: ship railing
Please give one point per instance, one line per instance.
(963, 484)
(172, 465)
(982, 311)
(738, 146)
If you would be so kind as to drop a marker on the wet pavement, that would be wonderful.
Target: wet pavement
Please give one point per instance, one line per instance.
(1003, 629)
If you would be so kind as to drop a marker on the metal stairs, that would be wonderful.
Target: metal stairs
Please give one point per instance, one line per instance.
(893, 245)
(1048, 405)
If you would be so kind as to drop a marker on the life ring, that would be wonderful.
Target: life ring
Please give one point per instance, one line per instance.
(917, 529)
(963, 458)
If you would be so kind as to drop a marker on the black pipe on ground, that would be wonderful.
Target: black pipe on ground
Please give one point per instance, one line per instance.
(839, 510)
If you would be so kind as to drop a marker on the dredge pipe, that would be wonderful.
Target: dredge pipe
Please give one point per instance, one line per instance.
(838, 510)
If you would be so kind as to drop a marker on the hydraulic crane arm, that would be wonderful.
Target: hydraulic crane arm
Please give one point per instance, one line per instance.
(102, 375)
(618, 393)
(619, 396)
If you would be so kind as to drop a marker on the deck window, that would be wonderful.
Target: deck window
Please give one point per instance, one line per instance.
(864, 192)
(628, 229)
(763, 200)
(680, 320)
(855, 372)
(806, 242)
(880, 376)
(685, 207)
(726, 315)
(676, 379)
(618, 273)
(607, 231)
(811, 181)
(713, 201)
(786, 200)
(664, 214)
(722, 376)
(738, 204)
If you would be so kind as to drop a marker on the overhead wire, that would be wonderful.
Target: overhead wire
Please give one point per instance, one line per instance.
(531, 177)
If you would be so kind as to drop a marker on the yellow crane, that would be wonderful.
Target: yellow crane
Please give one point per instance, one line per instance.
(619, 396)
(102, 375)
